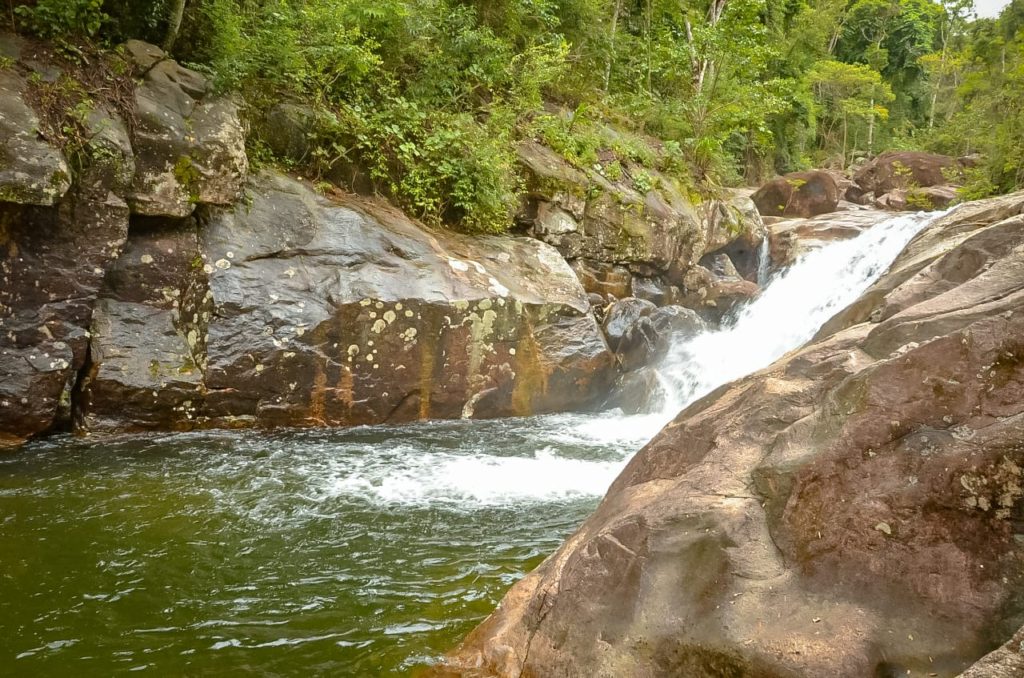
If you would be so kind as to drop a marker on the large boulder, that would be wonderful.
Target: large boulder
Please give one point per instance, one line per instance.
(650, 336)
(855, 509)
(604, 278)
(715, 296)
(189, 144)
(904, 170)
(916, 199)
(798, 194)
(292, 309)
(733, 222)
(622, 316)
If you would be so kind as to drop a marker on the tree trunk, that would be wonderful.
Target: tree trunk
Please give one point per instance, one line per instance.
(871, 130)
(844, 141)
(173, 24)
(701, 65)
(647, 30)
(611, 45)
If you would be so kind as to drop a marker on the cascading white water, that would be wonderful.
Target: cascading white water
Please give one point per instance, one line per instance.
(764, 262)
(788, 312)
(555, 457)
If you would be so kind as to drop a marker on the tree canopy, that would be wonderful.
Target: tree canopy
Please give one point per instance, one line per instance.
(432, 97)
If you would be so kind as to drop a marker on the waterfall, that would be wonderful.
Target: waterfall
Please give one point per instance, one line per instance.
(789, 311)
(764, 262)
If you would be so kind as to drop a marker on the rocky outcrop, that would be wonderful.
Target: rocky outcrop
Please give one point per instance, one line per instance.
(914, 199)
(798, 194)
(586, 215)
(291, 309)
(626, 237)
(189, 144)
(56, 241)
(714, 295)
(853, 510)
(52, 262)
(1005, 662)
(641, 346)
(60, 233)
(904, 169)
(31, 171)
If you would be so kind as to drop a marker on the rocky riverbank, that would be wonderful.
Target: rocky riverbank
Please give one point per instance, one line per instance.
(855, 509)
(152, 282)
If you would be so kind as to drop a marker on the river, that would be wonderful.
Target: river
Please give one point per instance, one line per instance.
(365, 551)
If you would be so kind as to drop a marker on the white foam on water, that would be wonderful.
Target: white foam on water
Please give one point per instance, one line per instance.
(477, 479)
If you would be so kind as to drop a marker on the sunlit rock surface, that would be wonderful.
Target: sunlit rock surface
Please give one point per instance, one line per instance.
(292, 309)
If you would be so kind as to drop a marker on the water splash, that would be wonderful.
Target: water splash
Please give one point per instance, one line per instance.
(788, 313)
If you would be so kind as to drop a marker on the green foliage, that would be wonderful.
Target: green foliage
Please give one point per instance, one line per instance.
(427, 101)
(60, 19)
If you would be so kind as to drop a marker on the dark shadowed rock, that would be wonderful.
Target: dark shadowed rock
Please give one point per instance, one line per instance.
(295, 310)
(638, 391)
(288, 130)
(799, 194)
(655, 290)
(52, 262)
(904, 170)
(855, 509)
(622, 316)
(650, 332)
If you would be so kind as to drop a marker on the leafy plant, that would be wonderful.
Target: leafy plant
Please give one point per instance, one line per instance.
(61, 19)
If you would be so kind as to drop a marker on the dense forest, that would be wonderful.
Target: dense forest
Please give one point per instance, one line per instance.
(430, 98)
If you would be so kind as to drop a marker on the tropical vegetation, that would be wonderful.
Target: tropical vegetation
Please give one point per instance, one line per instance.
(431, 98)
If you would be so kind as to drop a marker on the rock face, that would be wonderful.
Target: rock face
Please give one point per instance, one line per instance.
(588, 216)
(1006, 662)
(189, 145)
(904, 170)
(626, 242)
(853, 510)
(61, 234)
(799, 194)
(914, 199)
(52, 262)
(640, 348)
(295, 310)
